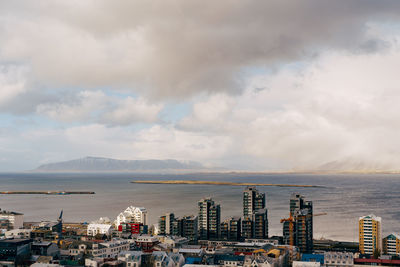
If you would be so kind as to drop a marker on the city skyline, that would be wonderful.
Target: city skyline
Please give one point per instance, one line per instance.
(269, 86)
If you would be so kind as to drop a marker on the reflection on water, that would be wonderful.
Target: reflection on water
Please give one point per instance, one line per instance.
(345, 198)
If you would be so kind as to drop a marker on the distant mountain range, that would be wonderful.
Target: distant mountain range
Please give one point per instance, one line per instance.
(94, 164)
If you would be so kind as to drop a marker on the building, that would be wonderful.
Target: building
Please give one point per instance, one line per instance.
(305, 264)
(102, 229)
(298, 228)
(18, 233)
(132, 215)
(314, 257)
(131, 258)
(15, 219)
(146, 242)
(102, 226)
(186, 226)
(110, 249)
(48, 226)
(252, 201)
(337, 259)
(247, 228)
(260, 224)
(165, 224)
(370, 234)
(209, 219)
(14, 251)
(235, 227)
(254, 213)
(391, 244)
(133, 228)
(225, 230)
(45, 248)
(190, 228)
(5, 225)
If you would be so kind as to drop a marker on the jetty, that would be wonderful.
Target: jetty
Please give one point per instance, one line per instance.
(177, 182)
(46, 193)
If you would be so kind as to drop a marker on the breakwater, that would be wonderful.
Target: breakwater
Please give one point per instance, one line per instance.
(219, 183)
(47, 193)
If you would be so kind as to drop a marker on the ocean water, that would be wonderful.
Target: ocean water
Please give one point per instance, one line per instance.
(344, 198)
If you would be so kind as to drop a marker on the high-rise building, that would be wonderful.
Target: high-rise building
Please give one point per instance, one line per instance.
(186, 226)
(252, 201)
(298, 228)
(165, 224)
(370, 234)
(209, 219)
(235, 225)
(260, 224)
(391, 244)
(247, 227)
(254, 223)
(225, 230)
(231, 229)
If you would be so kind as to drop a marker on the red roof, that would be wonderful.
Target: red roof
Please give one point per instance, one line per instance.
(381, 261)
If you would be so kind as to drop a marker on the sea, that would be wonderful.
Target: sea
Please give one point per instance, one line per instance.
(343, 197)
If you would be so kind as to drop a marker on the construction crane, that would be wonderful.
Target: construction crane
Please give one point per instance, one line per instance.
(291, 224)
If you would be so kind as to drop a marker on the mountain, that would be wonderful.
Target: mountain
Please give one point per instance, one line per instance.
(94, 164)
(357, 166)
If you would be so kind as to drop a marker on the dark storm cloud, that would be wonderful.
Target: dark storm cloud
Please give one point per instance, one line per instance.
(179, 48)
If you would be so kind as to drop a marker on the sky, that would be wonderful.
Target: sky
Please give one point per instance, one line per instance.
(245, 85)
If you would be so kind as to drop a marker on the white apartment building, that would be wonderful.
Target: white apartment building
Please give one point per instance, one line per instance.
(110, 249)
(95, 228)
(334, 259)
(16, 219)
(132, 214)
(18, 233)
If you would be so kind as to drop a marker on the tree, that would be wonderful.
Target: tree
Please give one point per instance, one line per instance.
(377, 253)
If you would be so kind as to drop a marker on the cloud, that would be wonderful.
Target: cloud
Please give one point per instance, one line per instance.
(272, 85)
(97, 107)
(130, 110)
(341, 110)
(178, 48)
(11, 84)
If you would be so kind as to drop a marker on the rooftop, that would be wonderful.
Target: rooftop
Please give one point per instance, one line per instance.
(4, 212)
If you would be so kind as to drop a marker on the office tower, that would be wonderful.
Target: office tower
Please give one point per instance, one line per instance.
(252, 201)
(165, 224)
(370, 234)
(209, 219)
(225, 230)
(235, 225)
(298, 228)
(247, 228)
(391, 244)
(260, 224)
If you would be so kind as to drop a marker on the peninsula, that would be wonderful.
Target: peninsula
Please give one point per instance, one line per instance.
(219, 183)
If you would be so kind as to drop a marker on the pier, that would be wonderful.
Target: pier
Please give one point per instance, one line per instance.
(47, 193)
(220, 183)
